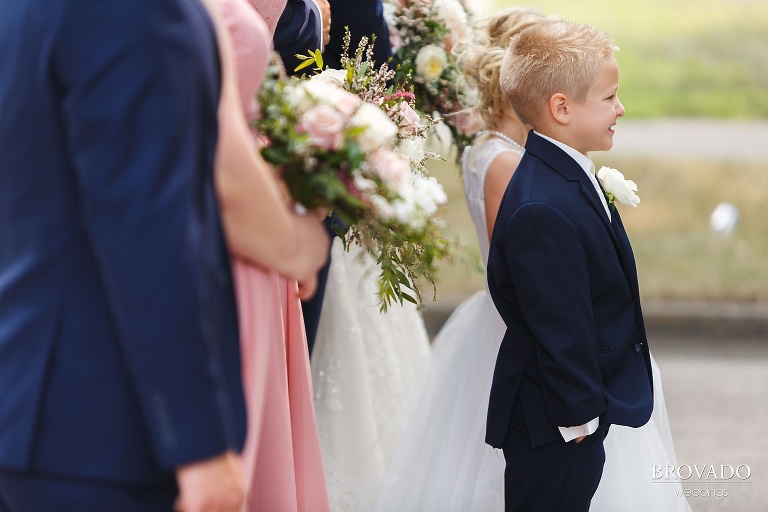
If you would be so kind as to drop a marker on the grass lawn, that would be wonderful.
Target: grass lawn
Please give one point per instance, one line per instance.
(677, 254)
(684, 57)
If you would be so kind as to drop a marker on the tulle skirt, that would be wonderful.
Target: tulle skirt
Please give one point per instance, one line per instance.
(367, 368)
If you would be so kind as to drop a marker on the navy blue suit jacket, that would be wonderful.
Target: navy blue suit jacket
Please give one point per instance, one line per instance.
(119, 355)
(298, 30)
(563, 278)
(364, 18)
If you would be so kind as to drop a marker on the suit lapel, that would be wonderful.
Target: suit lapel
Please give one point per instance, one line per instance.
(561, 162)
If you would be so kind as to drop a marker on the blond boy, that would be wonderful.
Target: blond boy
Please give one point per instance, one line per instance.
(561, 272)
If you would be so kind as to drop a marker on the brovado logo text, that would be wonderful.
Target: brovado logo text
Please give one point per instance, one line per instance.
(700, 473)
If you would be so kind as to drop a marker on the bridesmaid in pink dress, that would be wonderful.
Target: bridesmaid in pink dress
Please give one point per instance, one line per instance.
(282, 463)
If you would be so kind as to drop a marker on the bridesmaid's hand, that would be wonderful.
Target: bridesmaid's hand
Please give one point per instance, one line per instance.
(325, 11)
(307, 288)
(212, 485)
(321, 213)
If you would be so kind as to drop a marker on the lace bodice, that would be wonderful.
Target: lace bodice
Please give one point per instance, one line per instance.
(475, 161)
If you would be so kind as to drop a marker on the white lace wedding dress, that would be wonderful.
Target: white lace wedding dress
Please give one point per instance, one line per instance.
(367, 367)
(442, 462)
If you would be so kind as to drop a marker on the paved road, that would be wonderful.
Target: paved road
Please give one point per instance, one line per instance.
(702, 138)
(715, 386)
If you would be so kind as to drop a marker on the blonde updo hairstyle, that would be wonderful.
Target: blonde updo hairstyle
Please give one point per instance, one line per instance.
(480, 60)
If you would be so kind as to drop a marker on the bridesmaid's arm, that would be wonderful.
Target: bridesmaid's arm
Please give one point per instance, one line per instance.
(496, 180)
(259, 225)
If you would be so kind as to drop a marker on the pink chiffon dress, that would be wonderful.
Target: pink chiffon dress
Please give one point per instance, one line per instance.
(282, 460)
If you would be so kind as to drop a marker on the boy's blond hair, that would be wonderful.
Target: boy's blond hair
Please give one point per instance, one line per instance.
(550, 57)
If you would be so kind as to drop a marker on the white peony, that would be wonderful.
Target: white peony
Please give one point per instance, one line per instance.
(419, 202)
(617, 188)
(382, 206)
(430, 62)
(429, 193)
(380, 130)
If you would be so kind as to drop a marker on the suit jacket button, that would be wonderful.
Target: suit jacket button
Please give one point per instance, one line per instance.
(638, 347)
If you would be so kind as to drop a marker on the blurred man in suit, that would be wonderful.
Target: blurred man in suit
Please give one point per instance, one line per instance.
(120, 368)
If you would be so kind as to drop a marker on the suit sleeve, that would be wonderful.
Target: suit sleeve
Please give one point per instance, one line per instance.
(133, 110)
(550, 274)
(299, 29)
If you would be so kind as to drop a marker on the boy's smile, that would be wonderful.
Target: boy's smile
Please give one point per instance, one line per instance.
(592, 121)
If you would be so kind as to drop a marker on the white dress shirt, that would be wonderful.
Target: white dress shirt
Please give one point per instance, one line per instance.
(585, 163)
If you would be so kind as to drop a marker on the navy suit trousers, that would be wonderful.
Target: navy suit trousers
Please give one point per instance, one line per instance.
(554, 477)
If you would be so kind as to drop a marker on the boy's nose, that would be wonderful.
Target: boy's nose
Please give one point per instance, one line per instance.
(619, 108)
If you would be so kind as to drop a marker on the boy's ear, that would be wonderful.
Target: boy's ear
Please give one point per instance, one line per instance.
(559, 108)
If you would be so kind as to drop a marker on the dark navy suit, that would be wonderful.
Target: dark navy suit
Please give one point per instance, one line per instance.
(364, 18)
(563, 278)
(298, 30)
(119, 354)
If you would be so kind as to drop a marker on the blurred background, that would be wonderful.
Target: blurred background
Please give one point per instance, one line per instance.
(694, 82)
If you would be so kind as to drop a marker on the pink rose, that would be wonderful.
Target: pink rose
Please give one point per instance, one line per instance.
(393, 169)
(324, 126)
(467, 122)
(347, 103)
(408, 119)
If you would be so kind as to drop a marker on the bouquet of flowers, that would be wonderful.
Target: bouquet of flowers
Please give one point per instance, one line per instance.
(424, 34)
(335, 149)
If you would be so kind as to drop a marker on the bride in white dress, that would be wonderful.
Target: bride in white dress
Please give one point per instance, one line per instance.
(366, 369)
(442, 462)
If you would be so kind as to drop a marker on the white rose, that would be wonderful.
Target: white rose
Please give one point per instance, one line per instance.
(297, 97)
(413, 149)
(430, 62)
(455, 18)
(306, 93)
(616, 187)
(334, 76)
(380, 130)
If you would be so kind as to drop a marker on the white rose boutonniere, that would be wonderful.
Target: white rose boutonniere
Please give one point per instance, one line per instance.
(617, 188)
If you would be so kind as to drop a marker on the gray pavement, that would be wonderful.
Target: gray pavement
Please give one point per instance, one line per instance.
(690, 137)
(715, 387)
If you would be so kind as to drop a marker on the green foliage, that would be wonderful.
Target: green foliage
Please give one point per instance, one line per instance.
(692, 58)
